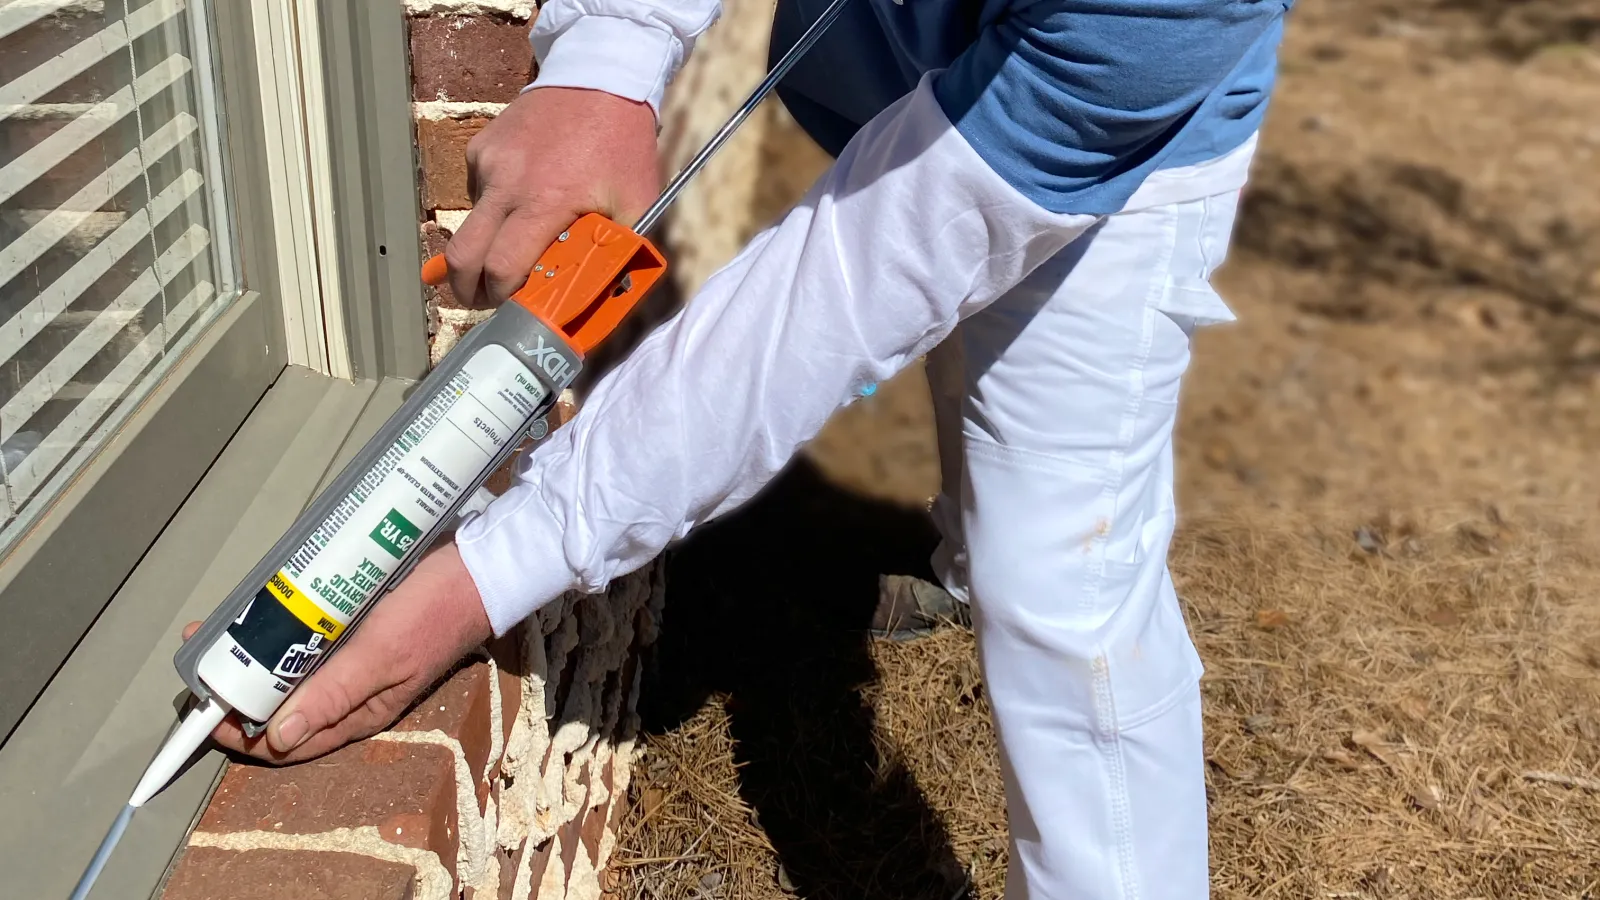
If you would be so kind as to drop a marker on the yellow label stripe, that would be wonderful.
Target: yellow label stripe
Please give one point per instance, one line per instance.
(295, 601)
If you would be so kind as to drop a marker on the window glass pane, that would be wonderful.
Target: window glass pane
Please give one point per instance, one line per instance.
(114, 245)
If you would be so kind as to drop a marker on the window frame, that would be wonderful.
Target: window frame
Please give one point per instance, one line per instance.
(363, 301)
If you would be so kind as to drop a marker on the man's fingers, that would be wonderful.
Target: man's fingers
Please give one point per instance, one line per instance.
(338, 691)
(190, 629)
(523, 237)
(412, 639)
(467, 249)
(369, 718)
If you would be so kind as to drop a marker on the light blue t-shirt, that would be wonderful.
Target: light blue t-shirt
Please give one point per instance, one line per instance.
(1073, 102)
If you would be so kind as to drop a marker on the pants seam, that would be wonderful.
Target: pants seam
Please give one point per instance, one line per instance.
(1111, 743)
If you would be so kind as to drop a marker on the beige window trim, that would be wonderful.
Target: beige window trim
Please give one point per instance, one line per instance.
(300, 170)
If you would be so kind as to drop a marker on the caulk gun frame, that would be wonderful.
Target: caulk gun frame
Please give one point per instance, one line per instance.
(510, 326)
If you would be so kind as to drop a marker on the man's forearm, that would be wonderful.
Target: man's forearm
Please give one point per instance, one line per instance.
(905, 234)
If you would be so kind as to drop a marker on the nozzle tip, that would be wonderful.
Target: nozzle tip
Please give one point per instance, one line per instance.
(189, 736)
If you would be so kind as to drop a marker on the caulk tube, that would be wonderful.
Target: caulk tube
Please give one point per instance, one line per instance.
(364, 533)
(361, 536)
(204, 718)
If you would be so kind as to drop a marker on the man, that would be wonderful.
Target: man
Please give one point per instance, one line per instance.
(1059, 178)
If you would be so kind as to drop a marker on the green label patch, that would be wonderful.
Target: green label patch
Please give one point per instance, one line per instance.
(396, 534)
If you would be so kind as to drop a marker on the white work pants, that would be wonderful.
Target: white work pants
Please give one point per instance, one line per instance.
(1074, 334)
(1055, 407)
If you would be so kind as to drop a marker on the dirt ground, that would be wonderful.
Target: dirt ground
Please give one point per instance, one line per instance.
(1387, 552)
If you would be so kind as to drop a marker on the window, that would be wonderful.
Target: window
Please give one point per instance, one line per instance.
(193, 198)
(208, 295)
(114, 246)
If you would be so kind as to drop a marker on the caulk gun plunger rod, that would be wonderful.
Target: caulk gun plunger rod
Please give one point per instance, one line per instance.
(675, 187)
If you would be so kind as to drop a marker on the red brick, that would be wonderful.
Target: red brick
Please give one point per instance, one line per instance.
(507, 653)
(562, 413)
(207, 873)
(544, 855)
(442, 148)
(595, 818)
(508, 871)
(434, 239)
(500, 480)
(460, 708)
(470, 58)
(619, 808)
(408, 791)
(536, 867)
(571, 834)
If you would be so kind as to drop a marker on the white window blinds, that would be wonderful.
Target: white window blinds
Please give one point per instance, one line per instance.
(113, 247)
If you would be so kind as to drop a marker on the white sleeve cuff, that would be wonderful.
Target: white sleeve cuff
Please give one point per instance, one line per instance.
(620, 56)
(497, 559)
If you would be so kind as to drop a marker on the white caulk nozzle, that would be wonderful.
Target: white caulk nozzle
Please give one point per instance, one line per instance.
(191, 733)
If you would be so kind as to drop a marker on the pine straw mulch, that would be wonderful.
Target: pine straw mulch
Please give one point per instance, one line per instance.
(1394, 708)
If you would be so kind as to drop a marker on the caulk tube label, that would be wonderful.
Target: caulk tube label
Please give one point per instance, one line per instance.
(346, 561)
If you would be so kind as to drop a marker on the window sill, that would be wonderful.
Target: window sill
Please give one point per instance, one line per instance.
(68, 767)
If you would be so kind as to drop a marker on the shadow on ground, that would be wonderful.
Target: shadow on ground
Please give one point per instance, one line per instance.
(768, 613)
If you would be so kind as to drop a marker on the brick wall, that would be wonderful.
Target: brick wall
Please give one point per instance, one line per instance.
(469, 58)
(508, 780)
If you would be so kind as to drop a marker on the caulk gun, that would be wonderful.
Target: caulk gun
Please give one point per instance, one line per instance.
(363, 534)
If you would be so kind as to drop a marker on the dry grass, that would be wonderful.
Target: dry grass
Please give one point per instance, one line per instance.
(1372, 716)
(1379, 724)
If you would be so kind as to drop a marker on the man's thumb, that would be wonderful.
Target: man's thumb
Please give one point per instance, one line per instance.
(325, 699)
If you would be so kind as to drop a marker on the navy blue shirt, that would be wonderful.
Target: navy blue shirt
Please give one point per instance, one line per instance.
(1073, 102)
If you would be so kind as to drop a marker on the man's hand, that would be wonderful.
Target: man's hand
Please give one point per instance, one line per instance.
(433, 619)
(548, 158)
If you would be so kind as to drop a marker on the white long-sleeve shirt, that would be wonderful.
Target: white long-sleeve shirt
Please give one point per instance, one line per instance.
(908, 232)
(630, 48)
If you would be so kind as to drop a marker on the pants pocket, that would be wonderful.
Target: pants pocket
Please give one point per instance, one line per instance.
(1204, 232)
